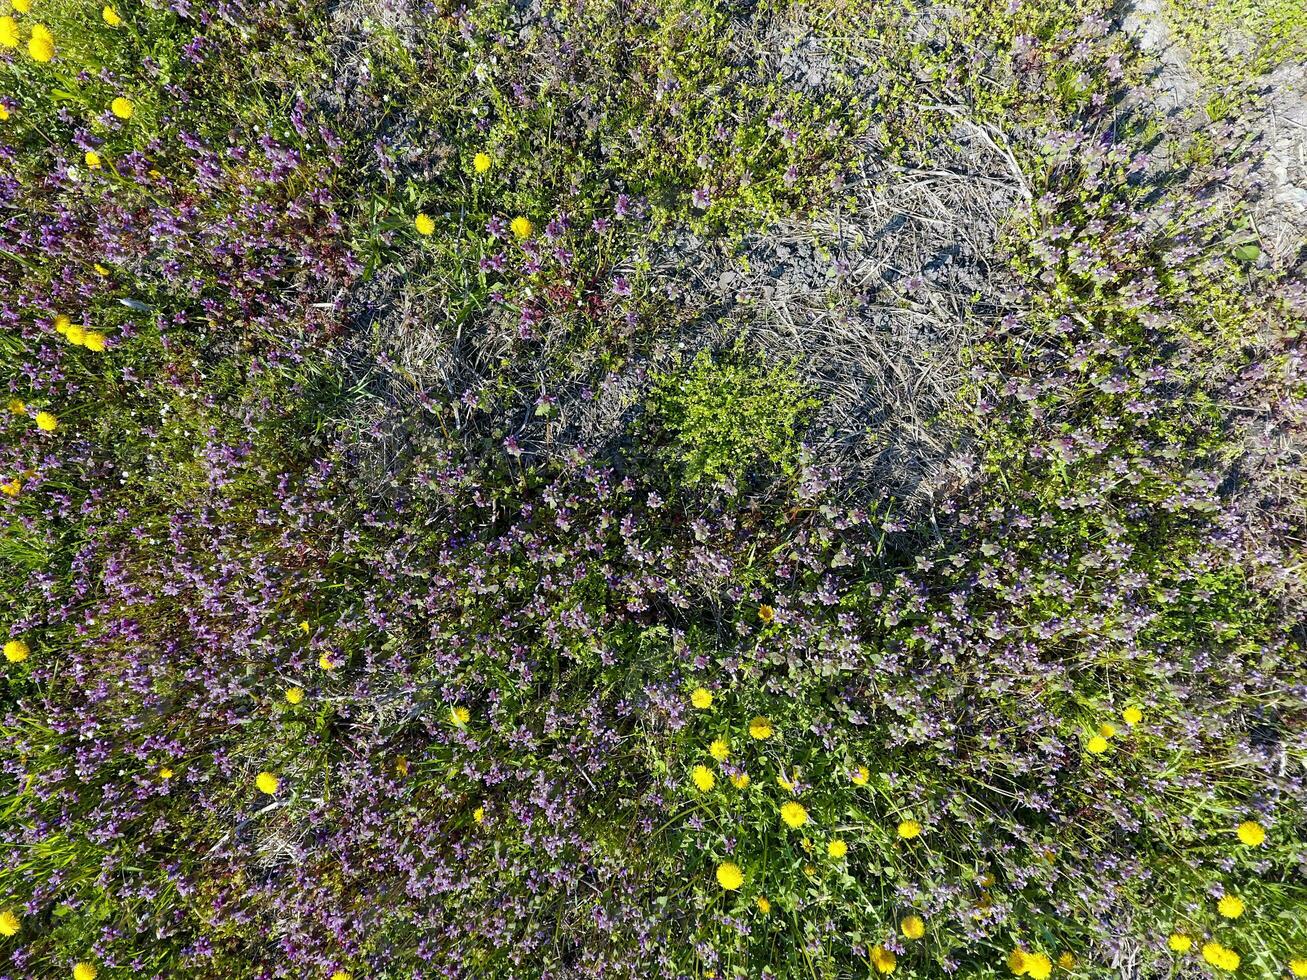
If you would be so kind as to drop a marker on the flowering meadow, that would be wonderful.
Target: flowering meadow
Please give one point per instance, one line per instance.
(734, 489)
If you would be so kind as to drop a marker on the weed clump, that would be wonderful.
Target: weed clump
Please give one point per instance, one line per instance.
(730, 416)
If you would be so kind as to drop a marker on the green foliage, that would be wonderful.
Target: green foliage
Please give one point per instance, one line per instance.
(209, 521)
(731, 415)
(937, 73)
(1234, 41)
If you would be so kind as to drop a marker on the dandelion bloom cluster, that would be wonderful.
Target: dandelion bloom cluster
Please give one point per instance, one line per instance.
(1221, 957)
(41, 44)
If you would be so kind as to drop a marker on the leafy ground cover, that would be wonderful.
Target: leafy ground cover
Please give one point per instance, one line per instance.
(664, 489)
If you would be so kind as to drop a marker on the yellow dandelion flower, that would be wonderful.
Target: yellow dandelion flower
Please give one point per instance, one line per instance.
(794, 814)
(1298, 966)
(1097, 745)
(764, 906)
(111, 16)
(784, 783)
(165, 773)
(122, 107)
(1179, 943)
(521, 226)
(1251, 833)
(703, 778)
(741, 781)
(729, 875)
(16, 651)
(8, 32)
(13, 488)
(837, 849)
(304, 627)
(85, 971)
(16, 406)
(93, 160)
(908, 829)
(9, 923)
(1220, 956)
(766, 613)
(102, 270)
(912, 927)
(883, 960)
(760, 728)
(1231, 906)
(46, 421)
(294, 695)
(479, 814)
(4, 112)
(1017, 962)
(94, 341)
(341, 975)
(40, 49)
(481, 162)
(460, 715)
(720, 749)
(701, 698)
(1107, 729)
(61, 324)
(1038, 966)
(41, 44)
(424, 224)
(1132, 715)
(76, 334)
(1066, 961)
(267, 783)
(401, 765)
(22, 6)
(326, 663)
(861, 776)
